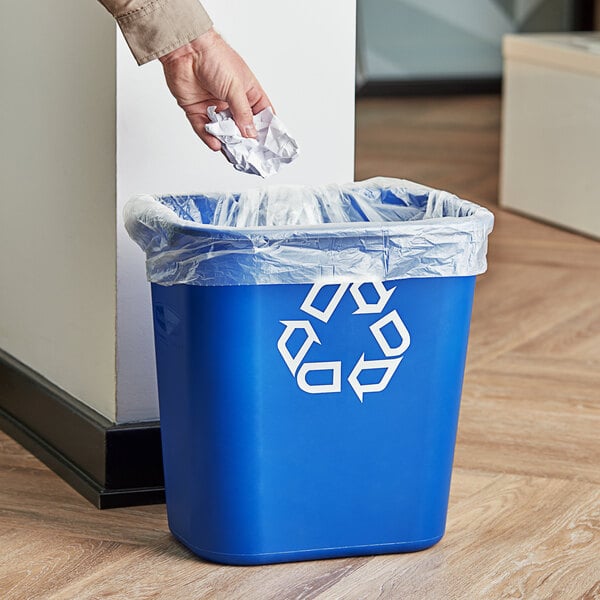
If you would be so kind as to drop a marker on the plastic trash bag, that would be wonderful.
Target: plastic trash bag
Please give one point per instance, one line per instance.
(378, 229)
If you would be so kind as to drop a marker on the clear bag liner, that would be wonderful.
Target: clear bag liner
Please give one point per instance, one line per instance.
(378, 229)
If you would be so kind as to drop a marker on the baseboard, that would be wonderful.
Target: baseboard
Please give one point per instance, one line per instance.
(430, 87)
(110, 465)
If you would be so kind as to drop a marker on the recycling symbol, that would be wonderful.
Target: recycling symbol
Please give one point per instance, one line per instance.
(392, 352)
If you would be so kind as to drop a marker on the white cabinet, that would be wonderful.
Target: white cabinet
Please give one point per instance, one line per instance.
(551, 129)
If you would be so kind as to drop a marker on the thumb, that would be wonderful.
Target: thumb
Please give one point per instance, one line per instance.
(241, 112)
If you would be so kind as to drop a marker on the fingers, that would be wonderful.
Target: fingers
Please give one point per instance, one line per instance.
(241, 111)
(258, 99)
(198, 122)
(196, 114)
(210, 140)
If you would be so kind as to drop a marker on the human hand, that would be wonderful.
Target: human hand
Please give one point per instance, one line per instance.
(208, 72)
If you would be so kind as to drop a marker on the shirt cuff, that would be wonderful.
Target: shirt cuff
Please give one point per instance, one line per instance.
(160, 26)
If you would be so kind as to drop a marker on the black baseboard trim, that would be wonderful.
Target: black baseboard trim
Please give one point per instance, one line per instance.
(110, 465)
(585, 15)
(430, 87)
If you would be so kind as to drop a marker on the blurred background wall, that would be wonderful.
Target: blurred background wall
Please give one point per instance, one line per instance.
(407, 41)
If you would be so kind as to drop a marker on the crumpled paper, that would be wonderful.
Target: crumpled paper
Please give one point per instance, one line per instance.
(262, 156)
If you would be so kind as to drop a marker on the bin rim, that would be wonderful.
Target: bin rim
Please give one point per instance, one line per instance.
(185, 226)
(448, 239)
(353, 228)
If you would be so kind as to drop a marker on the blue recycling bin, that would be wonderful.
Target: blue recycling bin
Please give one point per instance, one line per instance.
(310, 375)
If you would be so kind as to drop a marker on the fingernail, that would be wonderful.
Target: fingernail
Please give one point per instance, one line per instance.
(250, 131)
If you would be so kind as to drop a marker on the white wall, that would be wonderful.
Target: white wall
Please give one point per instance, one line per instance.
(58, 172)
(303, 54)
(57, 199)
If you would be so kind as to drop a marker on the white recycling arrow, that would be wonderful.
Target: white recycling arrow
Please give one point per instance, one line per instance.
(363, 307)
(322, 388)
(376, 329)
(293, 362)
(323, 315)
(389, 364)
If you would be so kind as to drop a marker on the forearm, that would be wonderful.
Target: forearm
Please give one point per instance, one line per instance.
(153, 28)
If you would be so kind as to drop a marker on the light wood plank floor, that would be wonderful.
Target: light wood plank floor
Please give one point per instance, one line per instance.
(524, 517)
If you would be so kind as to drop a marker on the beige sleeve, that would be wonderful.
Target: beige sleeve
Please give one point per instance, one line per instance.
(153, 28)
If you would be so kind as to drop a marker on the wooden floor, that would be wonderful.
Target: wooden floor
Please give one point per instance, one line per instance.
(447, 143)
(524, 517)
